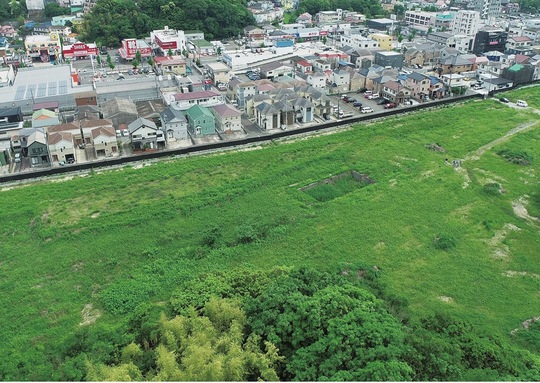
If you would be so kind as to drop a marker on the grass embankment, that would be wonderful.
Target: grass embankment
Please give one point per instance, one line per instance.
(116, 239)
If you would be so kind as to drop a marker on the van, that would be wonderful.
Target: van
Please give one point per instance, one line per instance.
(522, 103)
(17, 157)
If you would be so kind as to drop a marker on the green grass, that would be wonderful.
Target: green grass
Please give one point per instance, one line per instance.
(119, 238)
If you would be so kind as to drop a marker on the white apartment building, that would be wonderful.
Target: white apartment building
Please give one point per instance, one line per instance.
(329, 16)
(466, 23)
(165, 39)
(420, 18)
(358, 41)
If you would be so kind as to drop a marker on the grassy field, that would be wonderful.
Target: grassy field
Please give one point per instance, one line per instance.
(92, 248)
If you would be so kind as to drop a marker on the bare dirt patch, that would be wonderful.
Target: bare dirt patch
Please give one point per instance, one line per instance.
(77, 266)
(511, 273)
(501, 250)
(446, 299)
(89, 315)
(525, 325)
(95, 215)
(520, 210)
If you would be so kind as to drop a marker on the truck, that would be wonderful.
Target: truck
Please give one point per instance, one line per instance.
(343, 114)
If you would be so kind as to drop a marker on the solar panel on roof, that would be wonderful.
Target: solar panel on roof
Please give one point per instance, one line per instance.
(19, 94)
(52, 89)
(42, 90)
(62, 87)
(30, 91)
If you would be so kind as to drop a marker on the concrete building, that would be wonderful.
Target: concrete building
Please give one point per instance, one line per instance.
(218, 72)
(389, 59)
(488, 8)
(385, 41)
(420, 18)
(164, 39)
(43, 48)
(490, 39)
(466, 23)
(358, 41)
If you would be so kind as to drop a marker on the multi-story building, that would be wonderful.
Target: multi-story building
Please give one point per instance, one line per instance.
(466, 23)
(384, 40)
(420, 18)
(329, 16)
(389, 59)
(490, 39)
(519, 45)
(165, 39)
(42, 48)
(358, 41)
(130, 47)
(488, 8)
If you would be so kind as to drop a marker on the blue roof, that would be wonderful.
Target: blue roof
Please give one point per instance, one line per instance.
(30, 24)
(434, 80)
(345, 63)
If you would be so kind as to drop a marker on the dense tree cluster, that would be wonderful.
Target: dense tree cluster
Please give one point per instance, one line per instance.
(369, 8)
(529, 6)
(110, 21)
(12, 9)
(301, 325)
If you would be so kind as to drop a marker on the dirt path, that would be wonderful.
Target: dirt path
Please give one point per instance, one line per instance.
(481, 150)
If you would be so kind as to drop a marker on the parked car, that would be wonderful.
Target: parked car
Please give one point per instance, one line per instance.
(383, 101)
(350, 99)
(366, 109)
(522, 103)
(361, 90)
(504, 99)
(357, 103)
(373, 96)
(390, 105)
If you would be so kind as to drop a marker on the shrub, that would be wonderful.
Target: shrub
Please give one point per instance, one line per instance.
(492, 188)
(444, 242)
(516, 156)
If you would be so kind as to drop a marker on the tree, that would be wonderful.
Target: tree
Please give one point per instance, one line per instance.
(324, 40)
(98, 59)
(169, 52)
(138, 56)
(208, 346)
(328, 329)
(150, 61)
(135, 63)
(54, 9)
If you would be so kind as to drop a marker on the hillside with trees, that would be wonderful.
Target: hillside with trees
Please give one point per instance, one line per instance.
(110, 21)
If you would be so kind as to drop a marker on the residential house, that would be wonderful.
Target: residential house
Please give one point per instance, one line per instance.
(228, 119)
(317, 80)
(119, 111)
(184, 101)
(519, 45)
(218, 72)
(254, 33)
(394, 91)
(319, 100)
(456, 64)
(422, 54)
(144, 134)
(61, 147)
(519, 73)
(304, 18)
(267, 116)
(437, 88)
(200, 120)
(37, 149)
(171, 64)
(303, 66)
(419, 85)
(496, 83)
(43, 118)
(174, 124)
(104, 141)
(244, 90)
(340, 80)
(303, 109)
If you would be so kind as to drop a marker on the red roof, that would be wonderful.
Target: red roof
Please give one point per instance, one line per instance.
(304, 63)
(520, 38)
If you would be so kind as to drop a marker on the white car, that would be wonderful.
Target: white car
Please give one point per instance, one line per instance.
(522, 103)
(366, 109)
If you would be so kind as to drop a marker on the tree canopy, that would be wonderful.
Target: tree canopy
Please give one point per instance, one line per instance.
(110, 21)
(369, 8)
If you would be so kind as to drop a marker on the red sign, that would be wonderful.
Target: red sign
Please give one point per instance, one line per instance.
(166, 45)
(131, 47)
(323, 33)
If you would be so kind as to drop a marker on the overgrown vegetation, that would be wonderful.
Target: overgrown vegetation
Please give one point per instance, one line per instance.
(110, 21)
(515, 156)
(90, 264)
